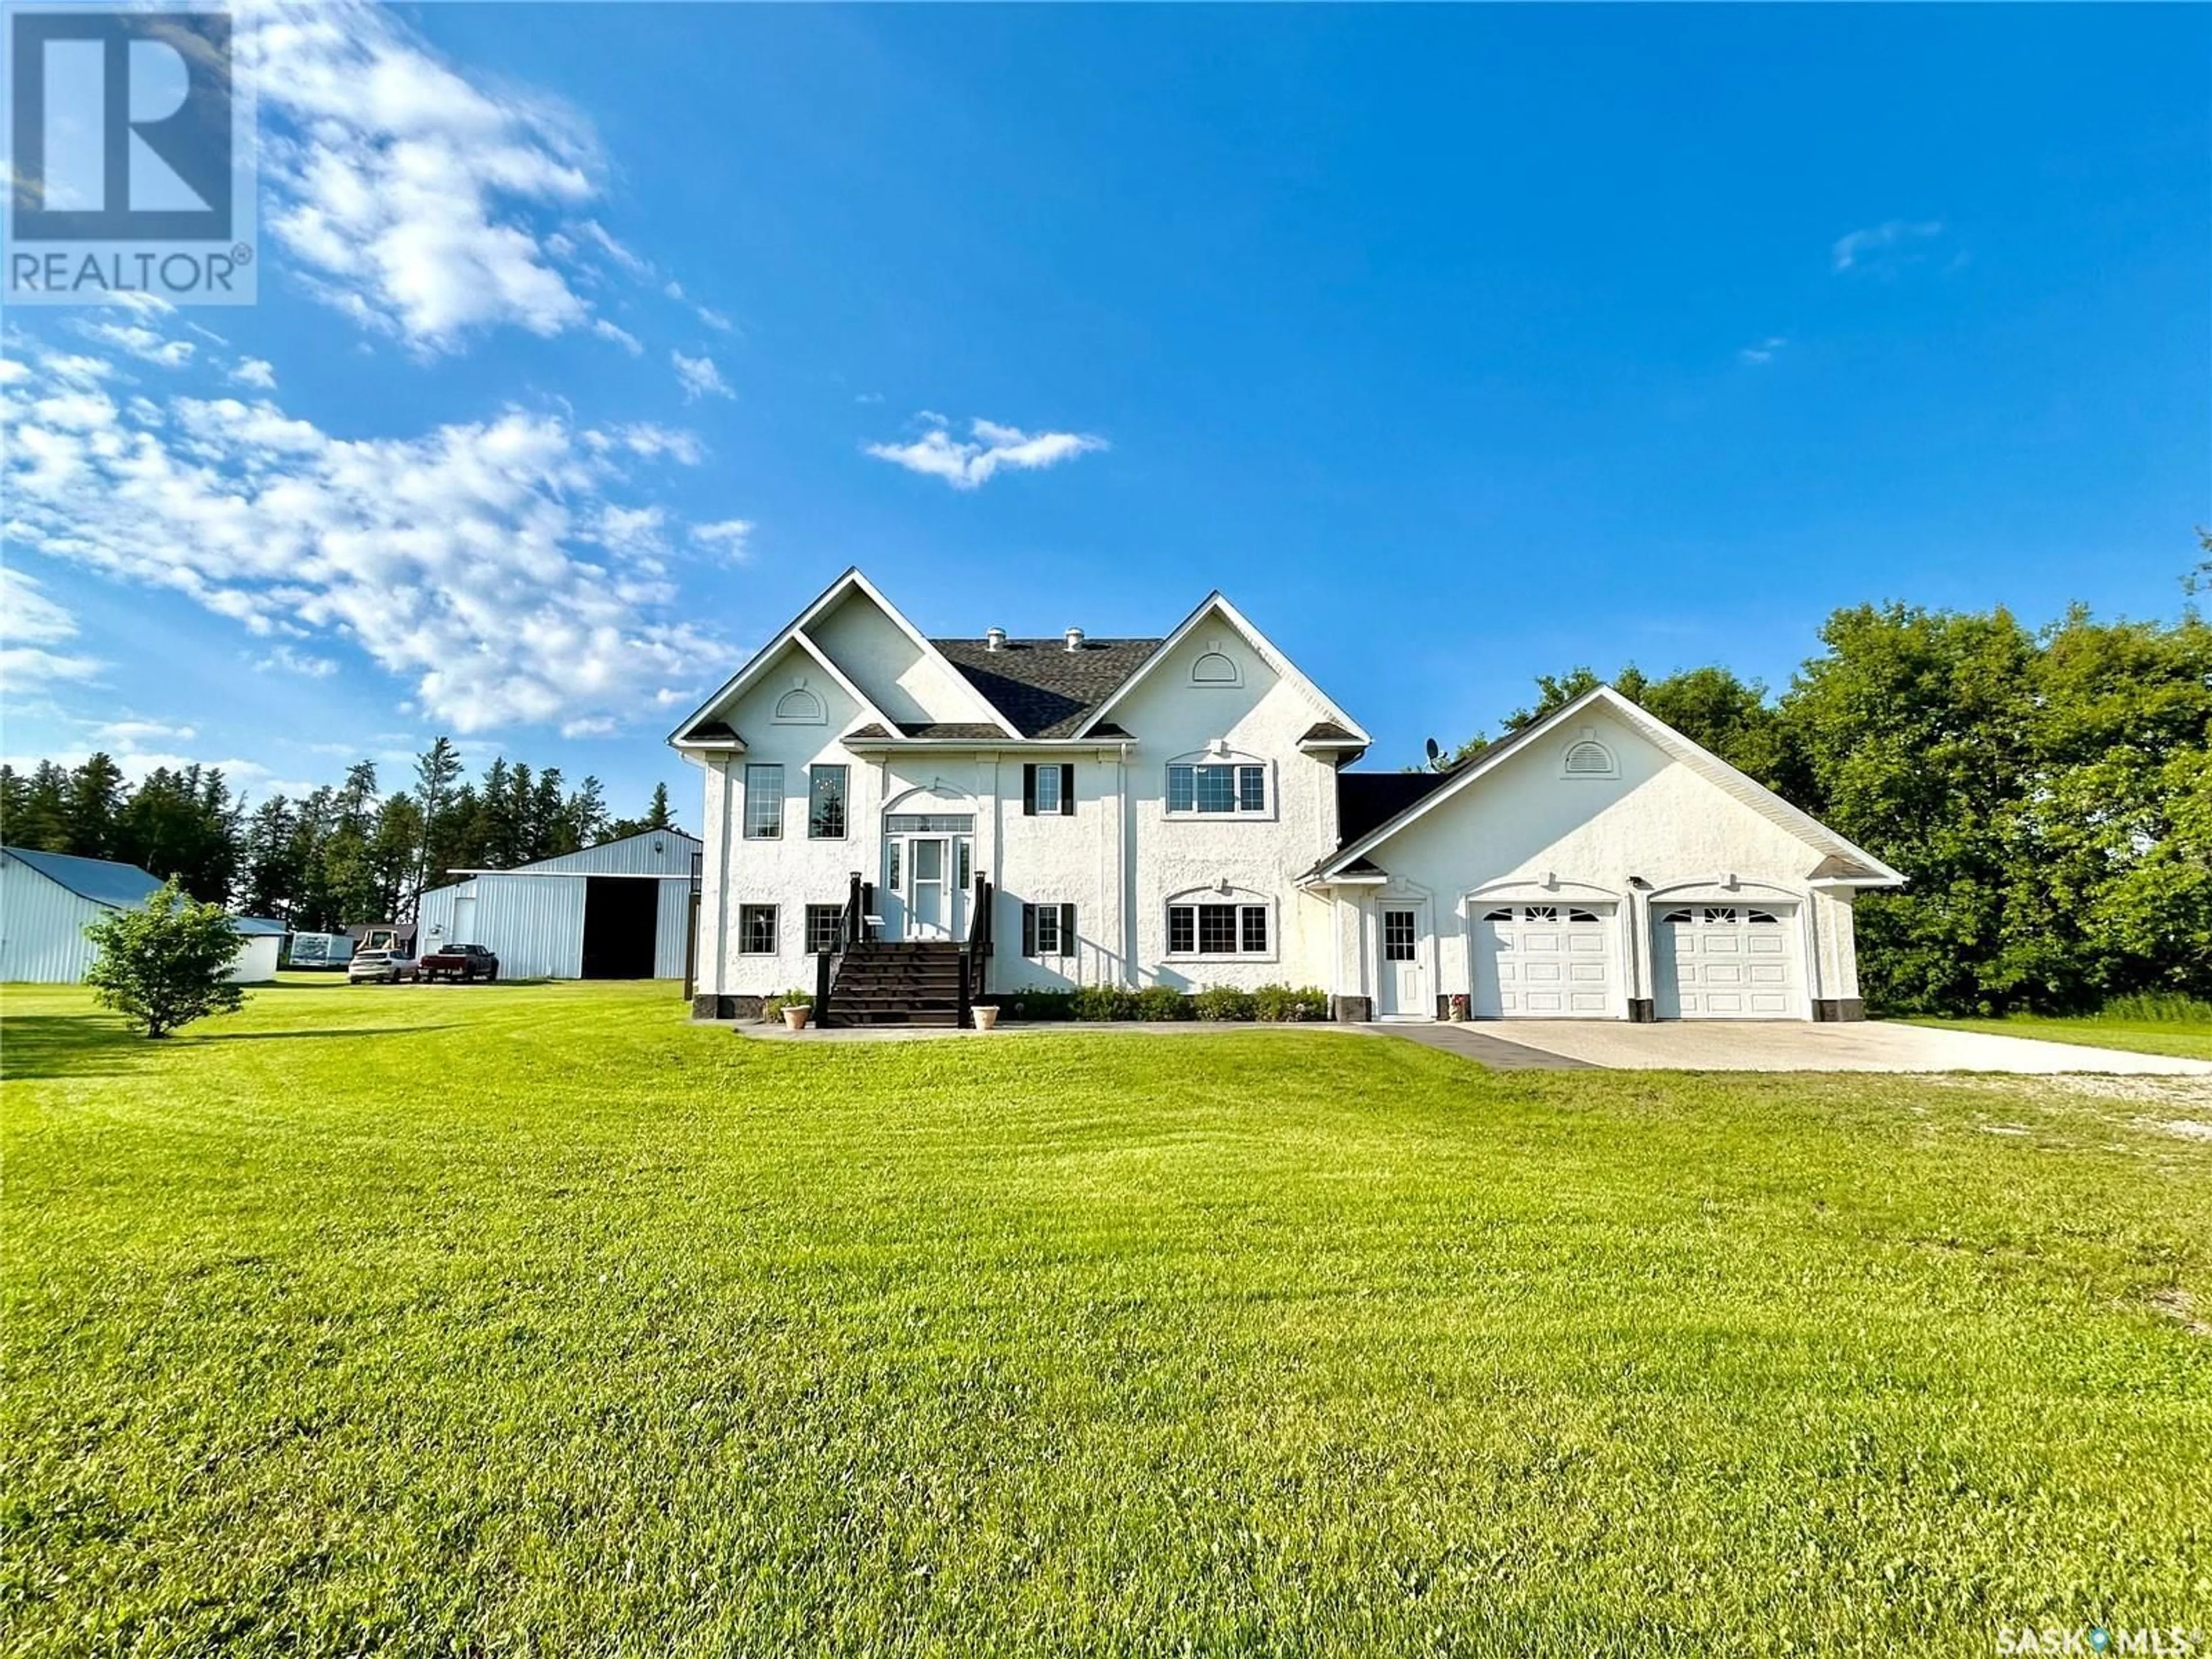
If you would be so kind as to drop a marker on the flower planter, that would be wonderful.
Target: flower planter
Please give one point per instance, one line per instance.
(795, 1015)
(986, 1017)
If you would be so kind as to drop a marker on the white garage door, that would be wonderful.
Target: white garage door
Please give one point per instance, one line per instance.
(1727, 962)
(1543, 961)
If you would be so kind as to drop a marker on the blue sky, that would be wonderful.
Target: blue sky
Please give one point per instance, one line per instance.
(1456, 346)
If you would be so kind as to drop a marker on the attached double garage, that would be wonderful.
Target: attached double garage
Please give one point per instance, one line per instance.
(1572, 962)
(1596, 864)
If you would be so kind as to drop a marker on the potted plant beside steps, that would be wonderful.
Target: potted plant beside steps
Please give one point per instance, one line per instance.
(796, 1006)
(985, 1015)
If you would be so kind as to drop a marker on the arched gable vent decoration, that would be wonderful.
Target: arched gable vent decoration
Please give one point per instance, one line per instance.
(1587, 757)
(1216, 667)
(800, 707)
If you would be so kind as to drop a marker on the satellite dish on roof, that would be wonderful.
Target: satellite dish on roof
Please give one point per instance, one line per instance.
(1435, 757)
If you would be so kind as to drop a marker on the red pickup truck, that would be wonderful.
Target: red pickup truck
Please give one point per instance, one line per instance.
(461, 962)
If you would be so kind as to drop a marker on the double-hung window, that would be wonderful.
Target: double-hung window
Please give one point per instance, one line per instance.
(825, 803)
(757, 930)
(1048, 930)
(763, 803)
(822, 924)
(1209, 789)
(1218, 929)
(1047, 791)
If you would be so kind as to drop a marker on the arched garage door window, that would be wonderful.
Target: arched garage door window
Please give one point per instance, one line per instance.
(1726, 962)
(1544, 961)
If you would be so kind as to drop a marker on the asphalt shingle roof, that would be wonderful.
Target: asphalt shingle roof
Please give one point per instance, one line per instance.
(1044, 688)
(975, 730)
(1364, 799)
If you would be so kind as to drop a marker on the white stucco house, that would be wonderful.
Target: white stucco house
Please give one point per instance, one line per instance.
(1182, 810)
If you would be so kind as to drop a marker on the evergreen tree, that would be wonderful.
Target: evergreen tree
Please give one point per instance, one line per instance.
(40, 820)
(90, 809)
(437, 770)
(271, 867)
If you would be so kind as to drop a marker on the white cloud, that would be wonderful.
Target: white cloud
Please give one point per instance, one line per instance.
(1884, 247)
(30, 622)
(256, 372)
(731, 538)
(631, 529)
(649, 441)
(699, 378)
(140, 342)
(137, 734)
(1764, 350)
(598, 234)
(471, 560)
(968, 463)
(284, 659)
(620, 337)
(413, 198)
(869, 397)
(715, 319)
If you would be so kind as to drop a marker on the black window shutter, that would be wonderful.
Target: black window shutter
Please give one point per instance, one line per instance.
(1068, 791)
(1028, 791)
(1068, 930)
(1029, 930)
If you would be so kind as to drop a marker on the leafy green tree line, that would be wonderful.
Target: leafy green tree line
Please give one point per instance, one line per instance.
(348, 853)
(2048, 793)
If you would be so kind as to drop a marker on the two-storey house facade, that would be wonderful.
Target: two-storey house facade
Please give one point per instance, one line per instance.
(1180, 811)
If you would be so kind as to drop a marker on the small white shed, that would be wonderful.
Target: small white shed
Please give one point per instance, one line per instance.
(262, 945)
(620, 910)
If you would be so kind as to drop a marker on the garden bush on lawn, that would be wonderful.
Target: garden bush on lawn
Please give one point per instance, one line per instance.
(536, 1319)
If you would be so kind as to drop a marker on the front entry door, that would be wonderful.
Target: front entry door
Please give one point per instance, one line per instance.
(927, 875)
(1403, 976)
(927, 909)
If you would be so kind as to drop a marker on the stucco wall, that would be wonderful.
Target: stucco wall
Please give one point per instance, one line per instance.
(882, 659)
(1263, 719)
(1658, 820)
(795, 871)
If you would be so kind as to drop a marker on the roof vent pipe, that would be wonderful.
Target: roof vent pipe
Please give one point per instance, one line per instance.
(994, 639)
(1075, 639)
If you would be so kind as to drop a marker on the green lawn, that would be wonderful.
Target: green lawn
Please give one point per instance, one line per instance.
(530, 1319)
(2189, 1039)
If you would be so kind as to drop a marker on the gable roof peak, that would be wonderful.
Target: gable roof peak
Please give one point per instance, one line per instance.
(1217, 603)
(1744, 787)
